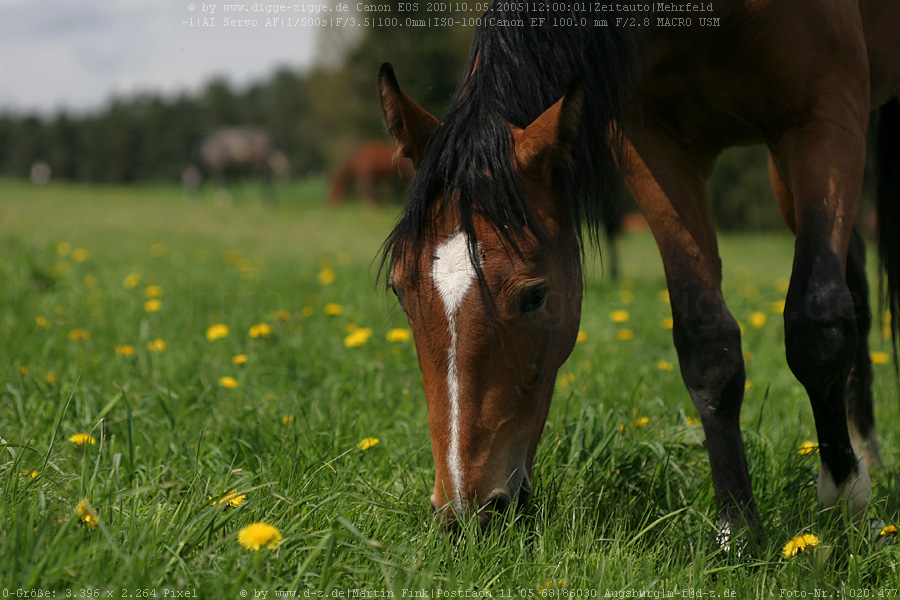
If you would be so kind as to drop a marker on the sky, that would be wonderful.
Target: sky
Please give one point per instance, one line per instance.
(77, 54)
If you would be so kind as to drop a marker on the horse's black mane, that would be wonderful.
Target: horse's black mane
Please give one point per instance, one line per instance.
(513, 74)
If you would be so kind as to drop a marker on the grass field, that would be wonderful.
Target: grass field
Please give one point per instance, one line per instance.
(107, 297)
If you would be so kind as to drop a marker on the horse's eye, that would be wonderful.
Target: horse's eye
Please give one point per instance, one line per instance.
(533, 299)
(396, 293)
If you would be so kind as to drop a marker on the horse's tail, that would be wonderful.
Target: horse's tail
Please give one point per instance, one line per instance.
(887, 167)
(339, 183)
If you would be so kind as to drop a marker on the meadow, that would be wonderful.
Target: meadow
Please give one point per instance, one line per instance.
(175, 368)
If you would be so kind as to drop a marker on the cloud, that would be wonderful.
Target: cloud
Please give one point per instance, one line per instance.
(57, 53)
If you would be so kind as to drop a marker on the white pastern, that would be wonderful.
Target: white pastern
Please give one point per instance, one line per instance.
(453, 273)
(856, 490)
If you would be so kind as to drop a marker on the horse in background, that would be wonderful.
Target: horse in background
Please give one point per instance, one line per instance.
(229, 153)
(369, 164)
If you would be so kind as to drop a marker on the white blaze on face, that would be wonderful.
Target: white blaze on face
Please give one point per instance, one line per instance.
(453, 273)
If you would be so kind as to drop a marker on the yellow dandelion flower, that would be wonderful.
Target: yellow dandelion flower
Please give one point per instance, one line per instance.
(748, 384)
(217, 332)
(799, 544)
(27, 473)
(239, 359)
(782, 285)
(79, 335)
(158, 250)
(888, 530)
(260, 330)
(367, 443)
(157, 345)
(566, 380)
(619, 316)
(152, 305)
(80, 255)
(581, 337)
(244, 265)
(287, 419)
(880, 358)
(24, 369)
(231, 499)
(80, 439)
(757, 319)
(51, 378)
(748, 355)
(256, 535)
(664, 297)
(283, 315)
(358, 337)
(665, 365)
(131, 281)
(741, 327)
(886, 332)
(228, 382)
(153, 291)
(332, 309)
(808, 448)
(125, 350)
(627, 297)
(308, 311)
(624, 335)
(86, 514)
(748, 291)
(326, 276)
(778, 307)
(42, 322)
(63, 249)
(641, 421)
(668, 323)
(60, 268)
(692, 422)
(399, 335)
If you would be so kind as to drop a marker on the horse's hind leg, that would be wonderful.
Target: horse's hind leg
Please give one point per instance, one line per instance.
(669, 185)
(822, 164)
(859, 382)
(858, 394)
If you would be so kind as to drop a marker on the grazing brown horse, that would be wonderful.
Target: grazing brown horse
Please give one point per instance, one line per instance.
(368, 164)
(486, 259)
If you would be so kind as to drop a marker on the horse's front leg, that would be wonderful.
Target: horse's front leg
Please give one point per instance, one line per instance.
(670, 187)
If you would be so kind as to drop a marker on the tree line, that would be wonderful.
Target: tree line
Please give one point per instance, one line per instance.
(314, 116)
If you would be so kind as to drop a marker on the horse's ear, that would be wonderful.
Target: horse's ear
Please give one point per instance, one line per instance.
(408, 123)
(547, 141)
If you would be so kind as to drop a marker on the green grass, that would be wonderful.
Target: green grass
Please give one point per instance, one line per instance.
(623, 499)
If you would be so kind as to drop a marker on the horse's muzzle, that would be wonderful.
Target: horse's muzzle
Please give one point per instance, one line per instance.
(496, 503)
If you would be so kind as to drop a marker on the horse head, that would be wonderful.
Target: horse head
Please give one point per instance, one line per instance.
(494, 311)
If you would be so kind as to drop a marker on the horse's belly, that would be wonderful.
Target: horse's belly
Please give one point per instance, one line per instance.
(881, 23)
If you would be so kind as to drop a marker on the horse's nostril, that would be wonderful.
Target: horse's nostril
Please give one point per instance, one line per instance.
(497, 503)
